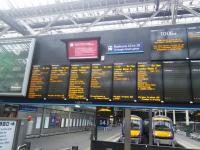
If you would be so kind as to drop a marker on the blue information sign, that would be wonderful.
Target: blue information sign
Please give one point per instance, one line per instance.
(125, 48)
(102, 122)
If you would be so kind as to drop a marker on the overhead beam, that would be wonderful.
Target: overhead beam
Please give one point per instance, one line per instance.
(64, 8)
(4, 31)
(27, 27)
(190, 10)
(48, 26)
(154, 14)
(97, 20)
(13, 24)
(130, 18)
(74, 22)
(174, 6)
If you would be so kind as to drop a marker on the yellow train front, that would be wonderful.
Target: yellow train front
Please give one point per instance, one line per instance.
(136, 130)
(163, 132)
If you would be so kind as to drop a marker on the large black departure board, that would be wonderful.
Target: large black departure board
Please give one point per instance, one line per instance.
(195, 73)
(58, 82)
(194, 42)
(39, 82)
(124, 82)
(79, 82)
(149, 80)
(101, 82)
(177, 85)
(169, 44)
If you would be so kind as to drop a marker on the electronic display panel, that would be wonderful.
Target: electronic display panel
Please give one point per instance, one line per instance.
(169, 44)
(38, 86)
(79, 82)
(58, 82)
(194, 42)
(15, 66)
(83, 49)
(124, 82)
(149, 78)
(101, 82)
(195, 74)
(177, 85)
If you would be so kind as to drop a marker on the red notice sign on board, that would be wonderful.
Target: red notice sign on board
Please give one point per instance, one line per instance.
(83, 49)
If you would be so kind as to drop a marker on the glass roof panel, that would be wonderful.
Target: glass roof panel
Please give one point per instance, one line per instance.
(17, 4)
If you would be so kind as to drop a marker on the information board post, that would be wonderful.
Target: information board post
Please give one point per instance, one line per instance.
(43, 120)
(96, 127)
(127, 125)
(150, 128)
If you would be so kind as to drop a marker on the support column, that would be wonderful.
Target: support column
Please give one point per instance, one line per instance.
(96, 126)
(154, 113)
(43, 119)
(187, 118)
(165, 112)
(174, 117)
(69, 117)
(150, 127)
(127, 129)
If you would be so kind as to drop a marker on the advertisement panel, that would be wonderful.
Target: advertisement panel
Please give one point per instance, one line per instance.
(83, 49)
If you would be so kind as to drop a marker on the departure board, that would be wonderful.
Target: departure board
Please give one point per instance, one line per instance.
(79, 82)
(195, 73)
(177, 84)
(58, 82)
(124, 82)
(194, 42)
(169, 44)
(101, 82)
(39, 82)
(149, 80)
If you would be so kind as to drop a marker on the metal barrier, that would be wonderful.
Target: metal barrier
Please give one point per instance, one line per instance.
(102, 145)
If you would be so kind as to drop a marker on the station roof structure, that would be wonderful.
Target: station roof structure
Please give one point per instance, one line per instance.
(46, 17)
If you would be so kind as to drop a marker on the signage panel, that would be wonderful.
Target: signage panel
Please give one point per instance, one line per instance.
(169, 44)
(177, 84)
(101, 82)
(79, 82)
(194, 42)
(83, 49)
(7, 132)
(149, 80)
(15, 66)
(58, 82)
(125, 48)
(195, 74)
(39, 81)
(124, 82)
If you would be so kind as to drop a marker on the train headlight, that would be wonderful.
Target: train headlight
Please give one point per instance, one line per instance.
(170, 135)
(154, 133)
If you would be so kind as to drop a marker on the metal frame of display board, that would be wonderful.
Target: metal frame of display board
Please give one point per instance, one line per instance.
(27, 68)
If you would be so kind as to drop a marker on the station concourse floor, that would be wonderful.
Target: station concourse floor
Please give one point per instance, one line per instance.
(80, 139)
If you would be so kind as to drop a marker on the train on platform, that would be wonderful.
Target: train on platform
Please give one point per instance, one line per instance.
(136, 131)
(163, 131)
